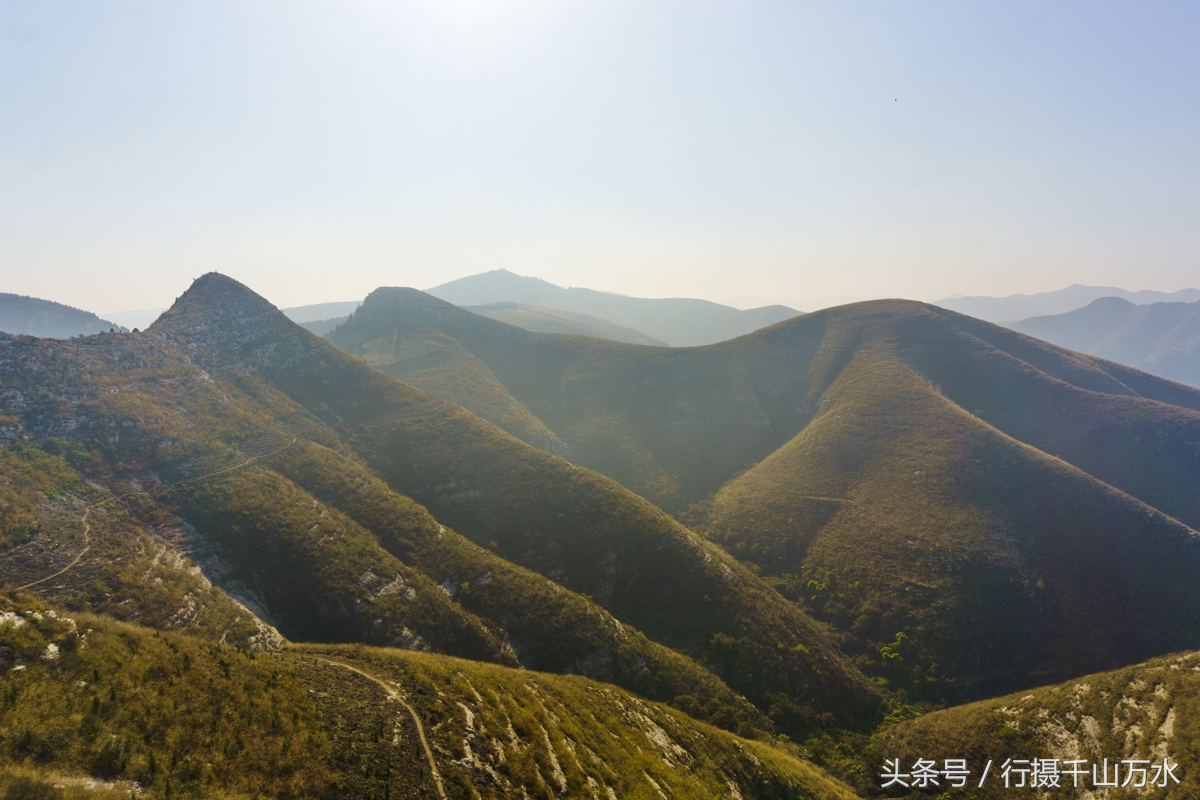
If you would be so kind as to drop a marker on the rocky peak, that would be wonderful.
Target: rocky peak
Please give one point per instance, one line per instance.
(223, 323)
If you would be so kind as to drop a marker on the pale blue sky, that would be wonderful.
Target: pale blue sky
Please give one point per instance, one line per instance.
(316, 150)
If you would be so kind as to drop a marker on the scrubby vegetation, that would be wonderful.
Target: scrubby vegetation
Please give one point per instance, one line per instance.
(503, 733)
(950, 561)
(549, 628)
(87, 697)
(583, 531)
(1148, 711)
(880, 509)
(90, 704)
(27, 475)
(891, 467)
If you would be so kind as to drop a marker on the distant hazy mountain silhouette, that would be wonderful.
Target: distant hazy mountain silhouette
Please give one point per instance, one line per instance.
(541, 319)
(1160, 338)
(1022, 306)
(321, 311)
(49, 320)
(680, 322)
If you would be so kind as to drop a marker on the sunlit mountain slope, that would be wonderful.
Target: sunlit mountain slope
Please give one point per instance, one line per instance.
(943, 490)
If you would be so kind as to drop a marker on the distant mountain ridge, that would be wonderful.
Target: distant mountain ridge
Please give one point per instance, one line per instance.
(1160, 338)
(31, 316)
(680, 322)
(1022, 306)
(321, 311)
(541, 319)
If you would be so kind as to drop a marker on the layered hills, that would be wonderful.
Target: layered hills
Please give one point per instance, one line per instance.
(680, 322)
(45, 318)
(943, 491)
(554, 320)
(1022, 306)
(454, 557)
(1160, 338)
(583, 531)
(240, 453)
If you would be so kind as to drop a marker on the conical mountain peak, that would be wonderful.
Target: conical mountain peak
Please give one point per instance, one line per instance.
(223, 321)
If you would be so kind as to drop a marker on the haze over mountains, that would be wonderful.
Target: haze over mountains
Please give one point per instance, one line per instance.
(1160, 338)
(680, 322)
(1021, 306)
(137, 318)
(33, 317)
(541, 319)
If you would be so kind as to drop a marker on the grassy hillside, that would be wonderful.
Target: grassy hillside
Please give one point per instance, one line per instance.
(1148, 711)
(179, 450)
(895, 468)
(89, 555)
(541, 319)
(1160, 338)
(548, 628)
(672, 425)
(88, 697)
(583, 531)
(97, 708)
(957, 561)
(384, 335)
(1003, 504)
(499, 732)
(217, 505)
(284, 527)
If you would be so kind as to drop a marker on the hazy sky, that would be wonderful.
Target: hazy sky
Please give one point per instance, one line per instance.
(316, 150)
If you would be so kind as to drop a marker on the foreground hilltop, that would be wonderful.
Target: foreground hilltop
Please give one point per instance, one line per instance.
(110, 710)
(971, 508)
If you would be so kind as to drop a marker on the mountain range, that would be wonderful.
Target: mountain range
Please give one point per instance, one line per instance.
(443, 555)
(228, 475)
(1022, 306)
(680, 322)
(1160, 338)
(47, 319)
(898, 470)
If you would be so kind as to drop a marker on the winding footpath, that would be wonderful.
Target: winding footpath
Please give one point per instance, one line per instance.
(394, 694)
(87, 528)
(87, 543)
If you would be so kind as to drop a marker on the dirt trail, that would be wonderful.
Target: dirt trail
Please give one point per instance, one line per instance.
(394, 694)
(87, 528)
(87, 543)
